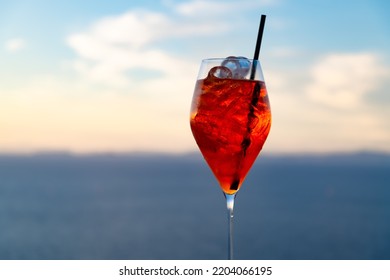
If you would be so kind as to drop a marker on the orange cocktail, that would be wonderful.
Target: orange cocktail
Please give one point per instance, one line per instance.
(230, 121)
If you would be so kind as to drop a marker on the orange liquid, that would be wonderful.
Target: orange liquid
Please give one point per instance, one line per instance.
(230, 121)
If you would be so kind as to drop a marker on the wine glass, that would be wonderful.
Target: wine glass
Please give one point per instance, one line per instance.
(230, 121)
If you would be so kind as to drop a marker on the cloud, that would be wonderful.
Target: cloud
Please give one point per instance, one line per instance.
(14, 45)
(328, 105)
(201, 8)
(342, 80)
(133, 29)
(112, 46)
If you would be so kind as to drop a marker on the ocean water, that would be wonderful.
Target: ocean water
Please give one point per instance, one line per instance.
(139, 206)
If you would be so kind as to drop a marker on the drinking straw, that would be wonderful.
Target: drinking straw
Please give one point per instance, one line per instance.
(256, 91)
(258, 45)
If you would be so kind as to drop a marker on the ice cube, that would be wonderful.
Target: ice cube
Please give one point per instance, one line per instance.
(239, 66)
(220, 72)
(232, 63)
(245, 65)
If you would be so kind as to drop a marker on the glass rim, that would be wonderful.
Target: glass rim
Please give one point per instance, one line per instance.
(230, 58)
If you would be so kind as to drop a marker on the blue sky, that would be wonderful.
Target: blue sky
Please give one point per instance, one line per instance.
(87, 76)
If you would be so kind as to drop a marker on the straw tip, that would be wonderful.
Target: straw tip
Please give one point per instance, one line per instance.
(259, 37)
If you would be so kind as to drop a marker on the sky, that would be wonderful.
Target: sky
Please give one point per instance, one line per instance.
(118, 76)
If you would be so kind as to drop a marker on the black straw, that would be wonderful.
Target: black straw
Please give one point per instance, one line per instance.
(258, 45)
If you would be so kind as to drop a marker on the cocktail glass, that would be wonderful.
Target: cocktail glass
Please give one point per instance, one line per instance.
(230, 121)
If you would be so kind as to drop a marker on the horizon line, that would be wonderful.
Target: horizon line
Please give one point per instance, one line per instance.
(184, 153)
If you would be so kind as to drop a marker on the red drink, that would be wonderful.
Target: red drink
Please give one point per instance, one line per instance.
(230, 121)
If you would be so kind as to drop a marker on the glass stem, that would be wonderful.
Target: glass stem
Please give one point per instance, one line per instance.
(230, 206)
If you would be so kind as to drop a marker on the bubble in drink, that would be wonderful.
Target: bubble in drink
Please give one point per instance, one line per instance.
(220, 72)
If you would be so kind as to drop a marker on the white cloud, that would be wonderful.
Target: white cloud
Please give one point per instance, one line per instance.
(133, 29)
(201, 8)
(15, 44)
(327, 106)
(114, 45)
(342, 80)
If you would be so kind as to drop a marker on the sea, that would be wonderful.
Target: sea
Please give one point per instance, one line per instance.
(142, 206)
